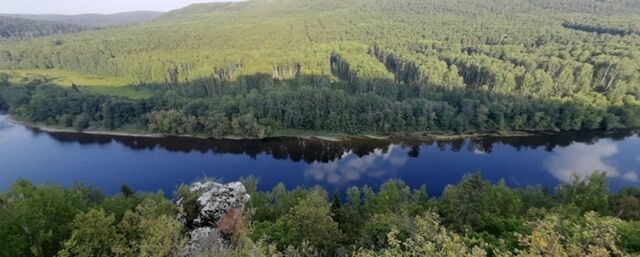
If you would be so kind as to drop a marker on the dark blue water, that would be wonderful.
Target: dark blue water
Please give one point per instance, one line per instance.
(152, 164)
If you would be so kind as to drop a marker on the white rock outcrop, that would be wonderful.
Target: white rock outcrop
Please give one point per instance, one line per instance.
(213, 202)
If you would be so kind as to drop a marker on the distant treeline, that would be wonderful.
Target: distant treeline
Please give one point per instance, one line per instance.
(24, 28)
(93, 20)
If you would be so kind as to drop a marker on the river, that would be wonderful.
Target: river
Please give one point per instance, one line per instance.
(153, 164)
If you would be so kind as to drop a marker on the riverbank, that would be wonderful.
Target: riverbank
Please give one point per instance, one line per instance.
(54, 129)
(301, 134)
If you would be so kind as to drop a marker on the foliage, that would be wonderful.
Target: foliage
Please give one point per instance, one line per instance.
(553, 236)
(395, 220)
(429, 239)
(11, 27)
(93, 20)
(626, 204)
(93, 233)
(309, 221)
(588, 194)
(35, 220)
(354, 67)
(629, 233)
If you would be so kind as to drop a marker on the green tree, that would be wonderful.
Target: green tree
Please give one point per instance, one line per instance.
(34, 220)
(463, 205)
(626, 204)
(126, 191)
(149, 230)
(93, 235)
(430, 238)
(309, 221)
(588, 193)
(81, 122)
(590, 236)
(162, 237)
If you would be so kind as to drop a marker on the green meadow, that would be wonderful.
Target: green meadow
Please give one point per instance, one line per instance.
(109, 85)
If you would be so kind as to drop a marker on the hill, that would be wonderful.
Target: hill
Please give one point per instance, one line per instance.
(263, 34)
(93, 20)
(24, 28)
(367, 66)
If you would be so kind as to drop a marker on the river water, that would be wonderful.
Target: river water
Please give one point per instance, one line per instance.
(152, 164)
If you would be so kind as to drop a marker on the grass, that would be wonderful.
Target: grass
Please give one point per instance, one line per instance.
(67, 78)
(99, 84)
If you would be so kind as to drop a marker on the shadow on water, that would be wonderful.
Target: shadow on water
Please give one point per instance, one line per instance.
(323, 151)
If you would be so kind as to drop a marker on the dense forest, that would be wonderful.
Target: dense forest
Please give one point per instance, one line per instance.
(259, 106)
(260, 68)
(25, 28)
(473, 218)
(93, 20)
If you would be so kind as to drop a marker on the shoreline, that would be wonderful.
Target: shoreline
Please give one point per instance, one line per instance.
(417, 136)
(51, 129)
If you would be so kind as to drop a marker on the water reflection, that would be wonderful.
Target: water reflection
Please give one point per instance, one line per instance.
(582, 159)
(342, 162)
(312, 150)
(294, 149)
(4, 123)
(380, 163)
(162, 163)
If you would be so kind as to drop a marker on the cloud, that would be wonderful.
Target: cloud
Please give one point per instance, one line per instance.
(582, 159)
(630, 176)
(353, 168)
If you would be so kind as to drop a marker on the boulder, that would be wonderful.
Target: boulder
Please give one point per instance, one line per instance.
(202, 240)
(207, 204)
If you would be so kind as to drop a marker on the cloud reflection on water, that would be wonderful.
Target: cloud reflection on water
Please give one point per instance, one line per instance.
(583, 159)
(479, 152)
(352, 168)
(4, 123)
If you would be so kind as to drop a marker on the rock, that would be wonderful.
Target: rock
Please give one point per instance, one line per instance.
(201, 211)
(202, 240)
(217, 199)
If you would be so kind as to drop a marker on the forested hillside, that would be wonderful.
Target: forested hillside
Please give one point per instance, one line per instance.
(93, 20)
(356, 66)
(25, 28)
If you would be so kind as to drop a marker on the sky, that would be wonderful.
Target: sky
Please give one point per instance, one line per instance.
(92, 6)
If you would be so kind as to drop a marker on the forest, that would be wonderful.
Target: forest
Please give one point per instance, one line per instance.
(259, 106)
(23, 28)
(267, 68)
(93, 20)
(472, 218)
